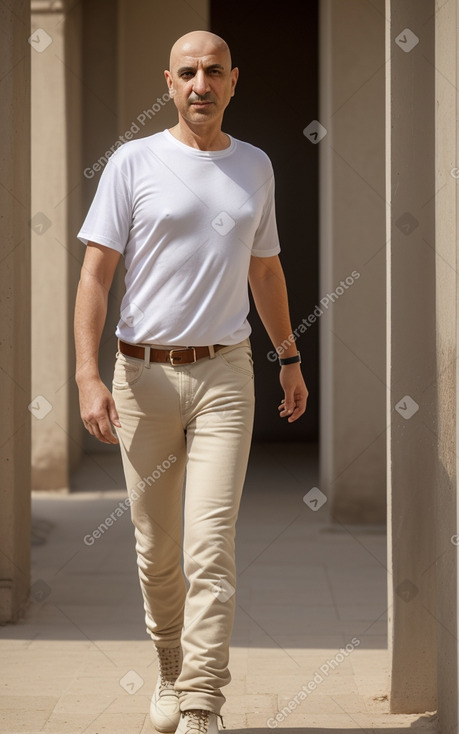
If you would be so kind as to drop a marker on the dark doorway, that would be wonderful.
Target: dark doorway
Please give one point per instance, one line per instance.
(276, 98)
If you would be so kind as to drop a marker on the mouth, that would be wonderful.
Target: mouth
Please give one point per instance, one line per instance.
(201, 104)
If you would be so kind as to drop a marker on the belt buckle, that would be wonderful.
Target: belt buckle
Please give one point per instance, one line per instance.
(172, 357)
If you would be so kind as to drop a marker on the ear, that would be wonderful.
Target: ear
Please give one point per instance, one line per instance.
(170, 83)
(234, 78)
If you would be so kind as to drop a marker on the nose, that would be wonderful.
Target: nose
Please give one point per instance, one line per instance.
(200, 83)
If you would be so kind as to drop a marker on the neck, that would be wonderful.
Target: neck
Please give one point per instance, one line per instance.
(202, 137)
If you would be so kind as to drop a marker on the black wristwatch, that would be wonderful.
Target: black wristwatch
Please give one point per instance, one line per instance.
(290, 360)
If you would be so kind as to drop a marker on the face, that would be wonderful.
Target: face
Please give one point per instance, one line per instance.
(200, 79)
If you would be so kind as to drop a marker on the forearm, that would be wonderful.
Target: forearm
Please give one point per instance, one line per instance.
(90, 315)
(269, 292)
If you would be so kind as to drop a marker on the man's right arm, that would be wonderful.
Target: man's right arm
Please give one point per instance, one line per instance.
(97, 406)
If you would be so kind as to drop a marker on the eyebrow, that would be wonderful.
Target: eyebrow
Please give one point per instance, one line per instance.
(193, 68)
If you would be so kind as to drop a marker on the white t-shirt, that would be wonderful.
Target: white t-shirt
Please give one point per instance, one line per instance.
(187, 222)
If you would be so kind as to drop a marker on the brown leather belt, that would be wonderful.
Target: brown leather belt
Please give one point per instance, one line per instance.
(188, 355)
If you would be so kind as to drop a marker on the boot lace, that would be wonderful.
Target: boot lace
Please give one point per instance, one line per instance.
(198, 720)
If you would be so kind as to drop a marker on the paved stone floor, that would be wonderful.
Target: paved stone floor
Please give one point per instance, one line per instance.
(80, 661)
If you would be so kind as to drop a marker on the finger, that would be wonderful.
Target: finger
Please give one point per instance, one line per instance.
(93, 429)
(114, 417)
(100, 431)
(289, 403)
(298, 411)
(106, 431)
(299, 407)
(286, 411)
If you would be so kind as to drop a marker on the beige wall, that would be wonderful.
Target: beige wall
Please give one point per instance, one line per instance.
(56, 169)
(447, 301)
(352, 226)
(15, 360)
(411, 364)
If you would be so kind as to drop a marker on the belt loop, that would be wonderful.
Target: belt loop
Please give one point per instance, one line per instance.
(211, 351)
(146, 357)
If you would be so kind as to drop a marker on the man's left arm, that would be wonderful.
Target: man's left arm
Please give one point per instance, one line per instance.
(269, 290)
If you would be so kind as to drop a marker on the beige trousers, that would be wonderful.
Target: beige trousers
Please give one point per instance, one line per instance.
(187, 428)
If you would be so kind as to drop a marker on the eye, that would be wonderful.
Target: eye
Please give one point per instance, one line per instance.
(186, 74)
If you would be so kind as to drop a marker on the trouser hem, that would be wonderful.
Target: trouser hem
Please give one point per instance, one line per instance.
(201, 701)
(167, 646)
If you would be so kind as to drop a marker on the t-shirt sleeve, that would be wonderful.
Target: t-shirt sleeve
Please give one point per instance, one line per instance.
(108, 220)
(266, 241)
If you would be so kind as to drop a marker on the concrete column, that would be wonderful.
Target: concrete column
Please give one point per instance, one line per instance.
(447, 299)
(56, 188)
(411, 364)
(15, 310)
(352, 260)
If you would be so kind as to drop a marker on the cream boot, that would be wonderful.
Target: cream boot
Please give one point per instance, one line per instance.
(164, 707)
(198, 721)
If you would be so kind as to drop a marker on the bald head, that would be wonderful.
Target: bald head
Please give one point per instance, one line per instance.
(201, 82)
(197, 44)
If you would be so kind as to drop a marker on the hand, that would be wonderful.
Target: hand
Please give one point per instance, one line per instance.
(295, 392)
(98, 410)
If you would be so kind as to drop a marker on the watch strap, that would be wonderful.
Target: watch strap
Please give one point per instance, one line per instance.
(290, 360)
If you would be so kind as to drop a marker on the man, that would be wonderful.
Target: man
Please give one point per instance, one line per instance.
(192, 211)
